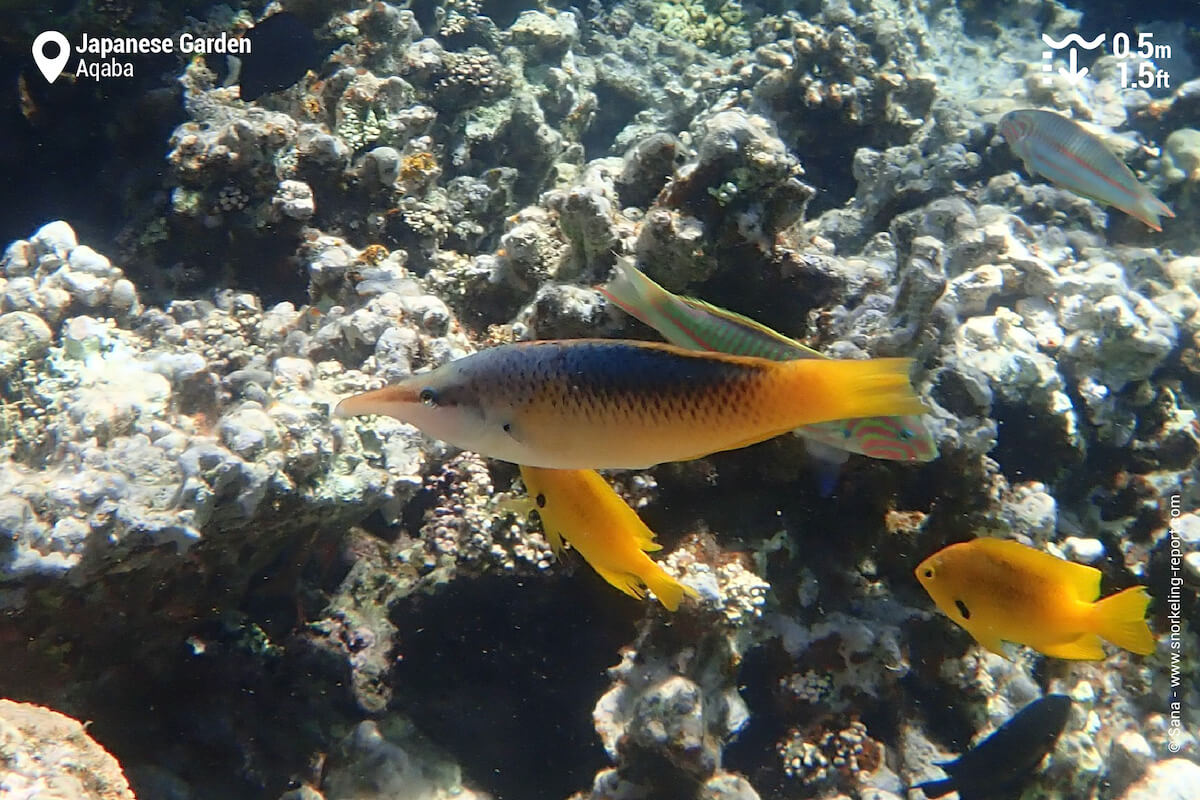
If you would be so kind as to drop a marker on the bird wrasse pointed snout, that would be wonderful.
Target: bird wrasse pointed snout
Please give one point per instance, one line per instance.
(380, 401)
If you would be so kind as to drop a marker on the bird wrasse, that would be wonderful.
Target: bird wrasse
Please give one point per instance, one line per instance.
(1000, 590)
(695, 324)
(579, 506)
(616, 404)
(1000, 764)
(1065, 153)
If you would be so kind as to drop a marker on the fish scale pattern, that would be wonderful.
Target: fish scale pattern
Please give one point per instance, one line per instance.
(611, 379)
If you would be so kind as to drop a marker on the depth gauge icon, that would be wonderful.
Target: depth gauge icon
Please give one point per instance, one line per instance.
(1073, 73)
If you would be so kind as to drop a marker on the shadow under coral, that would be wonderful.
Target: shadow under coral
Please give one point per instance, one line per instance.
(503, 673)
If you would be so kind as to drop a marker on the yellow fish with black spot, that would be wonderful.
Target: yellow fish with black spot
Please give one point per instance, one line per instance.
(1000, 591)
(578, 505)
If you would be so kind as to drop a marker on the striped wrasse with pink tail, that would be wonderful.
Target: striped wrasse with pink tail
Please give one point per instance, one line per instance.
(1066, 154)
(692, 323)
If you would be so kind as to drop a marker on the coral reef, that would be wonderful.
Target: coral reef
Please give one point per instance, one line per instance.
(46, 754)
(668, 711)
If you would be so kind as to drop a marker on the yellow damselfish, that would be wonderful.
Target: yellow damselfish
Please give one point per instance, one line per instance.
(1000, 591)
(581, 507)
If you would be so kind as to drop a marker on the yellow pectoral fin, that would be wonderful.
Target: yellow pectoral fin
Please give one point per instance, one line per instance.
(995, 644)
(521, 506)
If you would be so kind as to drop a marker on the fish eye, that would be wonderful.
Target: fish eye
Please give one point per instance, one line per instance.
(428, 396)
(905, 434)
(928, 572)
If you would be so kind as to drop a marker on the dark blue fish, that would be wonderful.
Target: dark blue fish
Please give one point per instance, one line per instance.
(282, 50)
(1000, 764)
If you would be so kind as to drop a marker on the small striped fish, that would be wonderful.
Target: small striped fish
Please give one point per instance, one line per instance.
(692, 323)
(1065, 153)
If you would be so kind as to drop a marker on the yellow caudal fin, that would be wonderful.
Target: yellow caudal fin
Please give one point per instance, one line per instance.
(669, 591)
(846, 389)
(1121, 620)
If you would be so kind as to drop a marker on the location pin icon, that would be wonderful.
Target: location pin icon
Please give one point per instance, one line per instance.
(51, 67)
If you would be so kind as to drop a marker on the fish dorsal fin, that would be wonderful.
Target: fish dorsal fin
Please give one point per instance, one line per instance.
(645, 541)
(638, 530)
(601, 501)
(1083, 581)
(614, 510)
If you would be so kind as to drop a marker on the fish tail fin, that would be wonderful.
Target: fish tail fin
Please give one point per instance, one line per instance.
(666, 588)
(848, 389)
(936, 788)
(1149, 209)
(640, 297)
(1121, 620)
